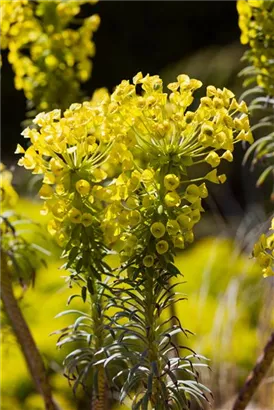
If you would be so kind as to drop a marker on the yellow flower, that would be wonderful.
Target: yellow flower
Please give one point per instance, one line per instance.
(59, 210)
(213, 159)
(99, 175)
(148, 261)
(171, 182)
(53, 227)
(179, 242)
(203, 190)
(172, 227)
(132, 202)
(143, 145)
(51, 62)
(263, 251)
(228, 156)
(222, 178)
(83, 187)
(134, 218)
(162, 247)
(56, 166)
(158, 229)
(147, 175)
(172, 199)
(212, 176)
(263, 259)
(29, 159)
(75, 216)
(19, 149)
(87, 219)
(195, 216)
(28, 36)
(268, 271)
(192, 193)
(46, 191)
(185, 221)
(189, 236)
(147, 201)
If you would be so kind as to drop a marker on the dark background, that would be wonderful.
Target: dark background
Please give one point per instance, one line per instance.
(134, 36)
(151, 36)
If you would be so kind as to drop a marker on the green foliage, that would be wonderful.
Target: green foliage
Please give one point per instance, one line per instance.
(209, 283)
(117, 177)
(118, 180)
(256, 23)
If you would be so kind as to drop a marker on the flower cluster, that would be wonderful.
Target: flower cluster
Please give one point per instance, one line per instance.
(263, 251)
(153, 205)
(132, 155)
(69, 151)
(50, 57)
(256, 24)
(9, 196)
(128, 172)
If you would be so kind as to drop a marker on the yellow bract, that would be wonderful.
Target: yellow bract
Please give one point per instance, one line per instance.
(83, 187)
(263, 251)
(120, 162)
(158, 229)
(162, 247)
(171, 182)
(255, 22)
(148, 261)
(58, 57)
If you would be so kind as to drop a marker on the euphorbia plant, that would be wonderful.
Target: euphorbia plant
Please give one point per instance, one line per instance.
(256, 24)
(118, 178)
(50, 49)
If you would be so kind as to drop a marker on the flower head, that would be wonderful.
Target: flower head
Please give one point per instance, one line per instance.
(263, 251)
(165, 140)
(59, 54)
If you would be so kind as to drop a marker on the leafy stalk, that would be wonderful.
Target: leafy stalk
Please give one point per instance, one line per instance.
(159, 376)
(99, 394)
(84, 365)
(256, 23)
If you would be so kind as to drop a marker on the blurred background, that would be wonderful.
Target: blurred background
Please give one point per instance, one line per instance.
(230, 307)
(199, 38)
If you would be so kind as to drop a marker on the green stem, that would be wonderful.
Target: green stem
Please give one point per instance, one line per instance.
(99, 395)
(21, 330)
(151, 319)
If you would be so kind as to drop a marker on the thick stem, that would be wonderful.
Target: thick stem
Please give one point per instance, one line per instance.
(99, 394)
(99, 398)
(31, 353)
(151, 321)
(255, 377)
